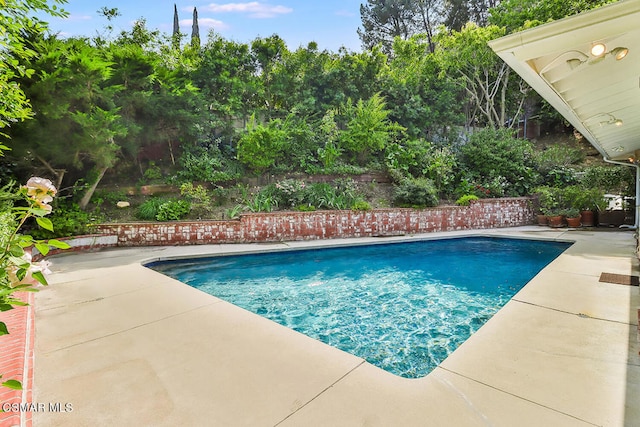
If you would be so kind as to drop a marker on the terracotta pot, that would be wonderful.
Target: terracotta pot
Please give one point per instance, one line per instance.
(587, 218)
(573, 222)
(555, 221)
(542, 219)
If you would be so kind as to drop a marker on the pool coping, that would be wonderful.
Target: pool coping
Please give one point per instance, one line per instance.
(526, 363)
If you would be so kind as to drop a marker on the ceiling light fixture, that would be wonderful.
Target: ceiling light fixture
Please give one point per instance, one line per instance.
(612, 120)
(620, 53)
(598, 49)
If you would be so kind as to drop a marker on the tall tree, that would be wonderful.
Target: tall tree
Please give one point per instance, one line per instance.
(461, 12)
(195, 30)
(17, 21)
(76, 120)
(175, 35)
(421, 97)
(384, 20)
(495, 97)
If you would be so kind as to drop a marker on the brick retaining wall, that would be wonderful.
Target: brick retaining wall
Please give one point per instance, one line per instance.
(286, 226)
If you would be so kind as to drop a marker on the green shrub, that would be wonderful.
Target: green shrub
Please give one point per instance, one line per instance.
(325, 196)
(494, 158)
(201, 164)
(305, 208)
(153, 172)
(419, 192)
(368, 128)
(610, 179)
(289, 192)
(234, 212)
(262, 144)
(466, 200)
(173, 210)
(69, 219)
(360, 205)
(148, 210)
(198, 197)
(262, 202)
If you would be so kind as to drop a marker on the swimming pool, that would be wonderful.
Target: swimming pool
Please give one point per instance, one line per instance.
(403, 307)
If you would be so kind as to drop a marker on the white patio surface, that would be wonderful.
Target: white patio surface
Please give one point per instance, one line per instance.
(127, 346)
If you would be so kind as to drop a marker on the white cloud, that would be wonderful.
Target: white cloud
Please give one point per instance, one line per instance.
(254, 9)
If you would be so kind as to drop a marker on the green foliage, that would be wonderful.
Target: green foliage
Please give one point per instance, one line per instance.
(234, 212)
(262, 202)
(331, 151)
(289, 193)
(261, 145)
(610, 179)
(548, 199)
(568, 200)
(70, 220)
(110, 197)
(200, 164)
(18, 272)
(420, 96)
(499, 162)
(555, 164)
(493, 94)
(418, 192)
(153, 172)
(368, 128)
(520, 14)
(198, 197)
(173, 210)
(148, 210)
(360, 205)
(17, 20)
(466, 200)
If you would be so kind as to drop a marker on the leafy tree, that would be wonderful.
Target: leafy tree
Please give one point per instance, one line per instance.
(495, 97)
(16, 23)
(461, 12)
(515, 15)
(267, 53)
(226, 78)
(76, 119)
(384, 20)
(420, 96)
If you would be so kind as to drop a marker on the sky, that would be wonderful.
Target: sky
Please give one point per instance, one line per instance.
(330, 23)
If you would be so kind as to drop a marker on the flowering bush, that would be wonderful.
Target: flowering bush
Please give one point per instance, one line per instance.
(18, 271)
(290, 192)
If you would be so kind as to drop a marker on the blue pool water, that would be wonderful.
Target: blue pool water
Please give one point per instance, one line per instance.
(403, 307)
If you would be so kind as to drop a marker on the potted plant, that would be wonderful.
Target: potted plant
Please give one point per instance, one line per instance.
(593, 202)
(572, 216)
(555, 219)
(546, 203)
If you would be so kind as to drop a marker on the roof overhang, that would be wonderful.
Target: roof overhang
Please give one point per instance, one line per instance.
(598, 95)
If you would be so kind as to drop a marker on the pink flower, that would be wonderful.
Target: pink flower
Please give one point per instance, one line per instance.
(34, 267)
(41, 191)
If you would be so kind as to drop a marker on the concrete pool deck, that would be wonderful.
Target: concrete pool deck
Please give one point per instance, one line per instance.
(124, 345)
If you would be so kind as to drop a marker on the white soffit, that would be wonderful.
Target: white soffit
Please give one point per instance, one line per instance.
(599, 96)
